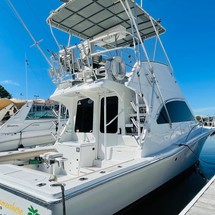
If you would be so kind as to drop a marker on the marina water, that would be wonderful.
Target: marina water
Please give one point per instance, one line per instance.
(174, 196)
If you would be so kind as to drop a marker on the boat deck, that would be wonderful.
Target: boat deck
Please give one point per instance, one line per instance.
(203, 202)
(27, 177)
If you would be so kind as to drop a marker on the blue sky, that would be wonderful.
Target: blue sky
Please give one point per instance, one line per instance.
(189, 42)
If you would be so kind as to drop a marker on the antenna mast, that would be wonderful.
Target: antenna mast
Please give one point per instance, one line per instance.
(26, 76)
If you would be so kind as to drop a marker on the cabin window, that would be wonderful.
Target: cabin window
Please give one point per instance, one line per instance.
(111, 113)
(178, 112)
(84, 116)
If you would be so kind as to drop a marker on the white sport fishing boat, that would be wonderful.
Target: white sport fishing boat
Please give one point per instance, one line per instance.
(28, 123)
(129, 131)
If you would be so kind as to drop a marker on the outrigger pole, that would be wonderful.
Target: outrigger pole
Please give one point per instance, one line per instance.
(36, 43)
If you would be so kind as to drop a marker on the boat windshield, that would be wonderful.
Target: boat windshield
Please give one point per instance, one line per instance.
(41, 111)
(43, 114)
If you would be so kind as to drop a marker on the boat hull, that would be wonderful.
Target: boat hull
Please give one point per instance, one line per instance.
(110, 195)
(26, 139)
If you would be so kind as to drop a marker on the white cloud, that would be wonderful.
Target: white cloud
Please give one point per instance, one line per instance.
(9, 82)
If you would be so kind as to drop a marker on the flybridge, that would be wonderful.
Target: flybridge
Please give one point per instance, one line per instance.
(107, 28)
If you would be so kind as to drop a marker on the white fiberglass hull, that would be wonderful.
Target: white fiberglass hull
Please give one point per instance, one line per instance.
(106, 194)
(27, 139)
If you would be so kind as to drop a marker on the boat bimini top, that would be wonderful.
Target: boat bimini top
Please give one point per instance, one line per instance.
(87, 19)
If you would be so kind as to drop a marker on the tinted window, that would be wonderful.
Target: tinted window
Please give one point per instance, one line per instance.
(42, 114)
(84, 116)
(178, 112)
(111, 112)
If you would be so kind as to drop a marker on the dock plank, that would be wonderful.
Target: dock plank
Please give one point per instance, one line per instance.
(204, 202)
(200, 211)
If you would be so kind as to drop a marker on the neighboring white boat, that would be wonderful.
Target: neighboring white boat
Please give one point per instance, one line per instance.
(27, 123)
(129, 130)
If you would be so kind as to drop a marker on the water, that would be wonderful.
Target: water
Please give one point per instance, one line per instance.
(173, 197)
(207, 157)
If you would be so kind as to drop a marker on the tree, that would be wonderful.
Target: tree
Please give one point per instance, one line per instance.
(4, 93)
(199, 118)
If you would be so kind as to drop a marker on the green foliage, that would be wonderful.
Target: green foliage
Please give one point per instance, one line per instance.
(199, 118)
(4, 93)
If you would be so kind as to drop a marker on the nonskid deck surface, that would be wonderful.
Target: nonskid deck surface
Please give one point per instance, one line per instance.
(38, 184)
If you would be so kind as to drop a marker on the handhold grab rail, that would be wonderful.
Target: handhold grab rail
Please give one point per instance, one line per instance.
(191, 131)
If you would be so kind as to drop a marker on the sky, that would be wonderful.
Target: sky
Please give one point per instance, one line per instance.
(188, 41)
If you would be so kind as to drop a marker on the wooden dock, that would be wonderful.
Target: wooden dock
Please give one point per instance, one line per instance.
(204, 202)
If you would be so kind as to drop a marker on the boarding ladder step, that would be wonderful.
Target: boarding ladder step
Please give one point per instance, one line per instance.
(141, 107)
(139, 114)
